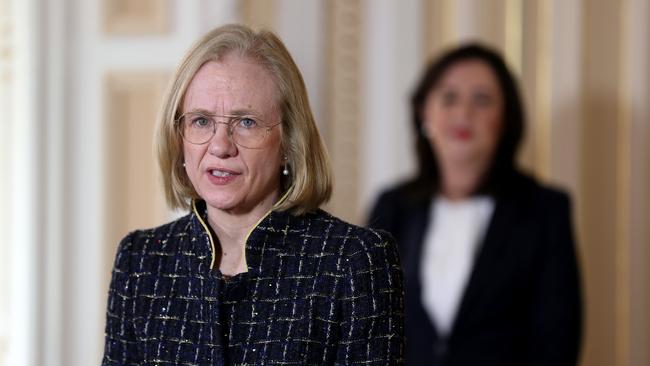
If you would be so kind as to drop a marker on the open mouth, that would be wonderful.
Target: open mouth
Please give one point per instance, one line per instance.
(220, 173)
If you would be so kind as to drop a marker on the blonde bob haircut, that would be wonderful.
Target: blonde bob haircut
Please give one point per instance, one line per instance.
(309, 183)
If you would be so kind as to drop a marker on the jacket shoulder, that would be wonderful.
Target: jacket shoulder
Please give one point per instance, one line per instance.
(137, 241)
(367, 244)
(542, 195)
(396, 207)
(403, 192)
(345, 230)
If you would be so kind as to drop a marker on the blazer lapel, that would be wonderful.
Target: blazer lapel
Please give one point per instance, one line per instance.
(419, 217)
(488, 256)
(420, 328)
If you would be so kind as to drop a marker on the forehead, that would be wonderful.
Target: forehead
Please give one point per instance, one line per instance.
(470, 73)
(233, 83)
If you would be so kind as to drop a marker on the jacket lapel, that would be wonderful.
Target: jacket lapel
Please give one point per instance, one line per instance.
(488, 256)
(419, 219)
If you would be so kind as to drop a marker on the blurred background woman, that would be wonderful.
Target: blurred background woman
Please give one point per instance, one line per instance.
(488, 253)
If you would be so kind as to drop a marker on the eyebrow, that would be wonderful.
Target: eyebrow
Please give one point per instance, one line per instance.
(234, 113)
(479, 87)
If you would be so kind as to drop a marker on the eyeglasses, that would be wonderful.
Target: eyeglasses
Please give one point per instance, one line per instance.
(245, 131)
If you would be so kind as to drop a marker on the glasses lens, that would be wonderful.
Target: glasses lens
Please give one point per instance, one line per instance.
(197, 128)
(249, 133)
(250, 138)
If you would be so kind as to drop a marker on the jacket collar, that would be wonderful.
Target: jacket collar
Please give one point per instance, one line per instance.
(267, 232)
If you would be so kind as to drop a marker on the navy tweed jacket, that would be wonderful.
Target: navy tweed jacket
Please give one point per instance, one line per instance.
(318, 291)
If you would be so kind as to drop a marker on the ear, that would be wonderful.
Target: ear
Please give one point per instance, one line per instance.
(426, 120)
(285, 170)
(426, 127)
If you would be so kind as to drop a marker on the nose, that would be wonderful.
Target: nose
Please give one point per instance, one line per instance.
(463, 111)
(221, 145)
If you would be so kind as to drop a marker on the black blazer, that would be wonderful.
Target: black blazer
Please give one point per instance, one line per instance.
(522, 304)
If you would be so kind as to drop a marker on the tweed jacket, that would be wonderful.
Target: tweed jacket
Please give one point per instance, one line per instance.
(318, 291)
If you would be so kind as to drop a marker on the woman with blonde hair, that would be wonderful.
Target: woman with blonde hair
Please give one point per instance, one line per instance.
(255, 273)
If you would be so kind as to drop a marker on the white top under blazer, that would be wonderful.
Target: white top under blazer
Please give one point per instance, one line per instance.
(455, 230)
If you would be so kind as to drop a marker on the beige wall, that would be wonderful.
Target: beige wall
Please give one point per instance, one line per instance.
(584, 68)
(6, 48)
(584, 76)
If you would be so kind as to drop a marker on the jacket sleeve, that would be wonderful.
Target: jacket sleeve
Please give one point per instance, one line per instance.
(372, 303)
(120, 347)
(556, 316)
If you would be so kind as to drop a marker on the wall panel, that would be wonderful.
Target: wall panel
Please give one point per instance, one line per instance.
(584, 68)
(528, 81)
(258, 13)
(636, 99)
(438, 17)
(134, 197)
(142, 17)
(345, 37)
(564, 115)
(491, 21)
(6, 88)
(601, 66)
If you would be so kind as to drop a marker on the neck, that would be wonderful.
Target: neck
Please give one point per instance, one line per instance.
(232, 228)
(460, 179)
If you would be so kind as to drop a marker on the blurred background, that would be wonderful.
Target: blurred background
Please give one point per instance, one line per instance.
(81, 82)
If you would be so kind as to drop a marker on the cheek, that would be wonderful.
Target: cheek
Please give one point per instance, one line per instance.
(431, 118)
(274, 154)
(493, 127)
(436, 125)
(262, 163)
(192, 155)
(496, 132)
(437, 121)
(488, 132)
(189, 154)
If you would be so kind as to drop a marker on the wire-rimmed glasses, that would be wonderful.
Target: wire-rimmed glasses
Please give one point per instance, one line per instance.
(246, 131)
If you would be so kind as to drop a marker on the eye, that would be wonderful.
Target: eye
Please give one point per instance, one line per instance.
(200, 122)
(482, 99)
(246, 122)
(448, 98)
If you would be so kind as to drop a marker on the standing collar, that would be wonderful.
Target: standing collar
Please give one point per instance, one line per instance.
(255, 240)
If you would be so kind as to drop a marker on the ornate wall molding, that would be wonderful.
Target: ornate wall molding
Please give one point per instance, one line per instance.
(345, 37)
(439, 26)
(133, 196)
(598, 203)
(5, 145)
(259, 14)
(141, 17)
(633, 180)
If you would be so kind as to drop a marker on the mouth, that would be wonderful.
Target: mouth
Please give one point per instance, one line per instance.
(221, 173)
(462, 134)
(221, 176)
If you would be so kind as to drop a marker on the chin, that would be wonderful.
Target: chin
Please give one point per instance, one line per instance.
(461, 151)
(221, 201)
